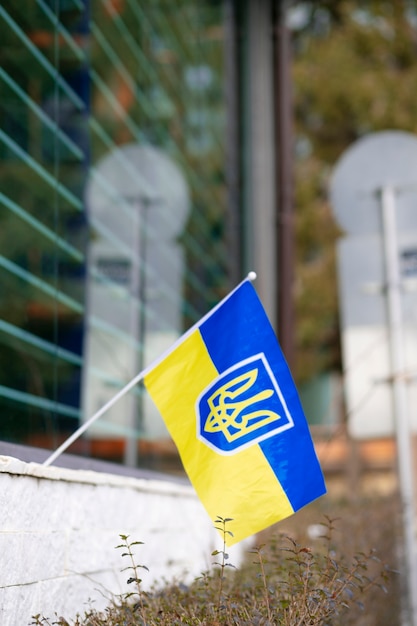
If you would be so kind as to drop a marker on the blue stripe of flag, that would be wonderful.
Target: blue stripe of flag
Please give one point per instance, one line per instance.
(238, 330)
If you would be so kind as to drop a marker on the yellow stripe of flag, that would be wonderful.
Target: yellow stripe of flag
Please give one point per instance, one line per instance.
(241, 486)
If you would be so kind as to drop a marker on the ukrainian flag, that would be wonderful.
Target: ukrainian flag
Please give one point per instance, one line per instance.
(229, 402)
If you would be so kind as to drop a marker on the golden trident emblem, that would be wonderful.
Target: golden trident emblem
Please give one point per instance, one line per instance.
(228, 414)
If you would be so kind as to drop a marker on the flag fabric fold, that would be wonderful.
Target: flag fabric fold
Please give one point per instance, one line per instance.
(230, 404)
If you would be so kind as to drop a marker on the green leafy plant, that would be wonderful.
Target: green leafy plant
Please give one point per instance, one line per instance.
(258, 551)
(301, 580)
(220, 524)
(306, 586)
(134, 568)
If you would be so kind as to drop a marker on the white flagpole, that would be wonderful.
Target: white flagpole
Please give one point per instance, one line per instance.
(95, 417)
(251, 276)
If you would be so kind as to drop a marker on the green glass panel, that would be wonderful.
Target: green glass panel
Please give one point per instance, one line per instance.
(112, 203)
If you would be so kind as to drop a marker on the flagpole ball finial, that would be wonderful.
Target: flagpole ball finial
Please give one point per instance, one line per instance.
(252, 276)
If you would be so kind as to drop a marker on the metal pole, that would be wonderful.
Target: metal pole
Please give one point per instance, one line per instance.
(138, 293)
(402, 423)
(233, 139)
(131, 442)
(284, 182)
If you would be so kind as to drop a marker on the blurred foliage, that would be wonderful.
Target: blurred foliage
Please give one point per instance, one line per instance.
(354, 72)
(312, 569)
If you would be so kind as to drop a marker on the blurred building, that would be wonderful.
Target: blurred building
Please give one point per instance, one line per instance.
(138, 184)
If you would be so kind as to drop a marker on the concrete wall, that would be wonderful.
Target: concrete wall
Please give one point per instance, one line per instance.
(59, 528)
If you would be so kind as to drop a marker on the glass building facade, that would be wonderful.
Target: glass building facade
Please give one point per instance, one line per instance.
(113, 199)
(115, 207)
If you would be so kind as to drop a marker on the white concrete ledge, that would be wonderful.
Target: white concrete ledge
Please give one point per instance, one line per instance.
(11, 465)
(59, 528)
